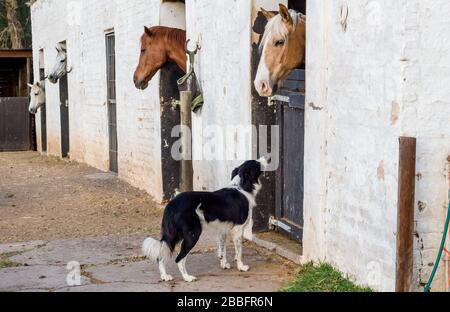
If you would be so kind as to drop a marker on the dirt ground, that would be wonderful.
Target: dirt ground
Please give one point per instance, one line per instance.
(44, 198)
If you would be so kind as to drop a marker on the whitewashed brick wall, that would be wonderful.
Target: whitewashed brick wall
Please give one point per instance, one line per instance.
(83, 24)
(382, 78)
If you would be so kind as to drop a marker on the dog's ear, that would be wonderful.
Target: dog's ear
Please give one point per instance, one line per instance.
(246, 181)
(234, 174)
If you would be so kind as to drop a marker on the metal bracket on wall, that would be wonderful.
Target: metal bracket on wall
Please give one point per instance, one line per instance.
(175, 104)
(274, 223)
(279, 98)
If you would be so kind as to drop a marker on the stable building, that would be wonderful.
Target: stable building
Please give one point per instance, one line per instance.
(375, 71)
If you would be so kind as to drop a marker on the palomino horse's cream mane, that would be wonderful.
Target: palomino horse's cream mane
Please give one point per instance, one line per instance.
(276, 26)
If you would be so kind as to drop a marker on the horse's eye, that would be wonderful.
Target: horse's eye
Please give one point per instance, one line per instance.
(36, 94)
(62, 61)
(143, 50)
(279, 43)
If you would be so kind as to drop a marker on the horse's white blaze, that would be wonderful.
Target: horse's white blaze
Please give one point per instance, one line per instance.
(263, 83)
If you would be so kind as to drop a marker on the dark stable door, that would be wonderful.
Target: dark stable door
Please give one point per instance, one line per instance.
(112, 107)
(15, 132)
(43, 116)
(290, 101)
(170, 117)
(64, 109)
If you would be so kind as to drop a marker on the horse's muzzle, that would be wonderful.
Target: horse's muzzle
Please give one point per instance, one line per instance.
(140, 84)
(53, 79)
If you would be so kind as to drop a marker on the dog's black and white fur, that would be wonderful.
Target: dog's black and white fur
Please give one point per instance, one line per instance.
(229, 210)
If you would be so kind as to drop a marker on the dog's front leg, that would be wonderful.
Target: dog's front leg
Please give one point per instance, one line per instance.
(223, 252)
(237, 240)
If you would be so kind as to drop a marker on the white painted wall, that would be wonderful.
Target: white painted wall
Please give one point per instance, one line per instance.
(382, 78)
(83, 24)
(223, 66)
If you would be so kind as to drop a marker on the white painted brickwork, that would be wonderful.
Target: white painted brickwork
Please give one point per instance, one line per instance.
(384, 77)
(83, 24)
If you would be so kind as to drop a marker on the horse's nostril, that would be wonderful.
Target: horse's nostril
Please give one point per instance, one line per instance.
(264, 86)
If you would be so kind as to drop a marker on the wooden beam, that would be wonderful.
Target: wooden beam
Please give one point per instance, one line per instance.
(16, 54)
(187, 171)
(405, 216)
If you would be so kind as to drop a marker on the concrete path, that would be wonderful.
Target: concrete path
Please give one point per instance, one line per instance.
(114, 264)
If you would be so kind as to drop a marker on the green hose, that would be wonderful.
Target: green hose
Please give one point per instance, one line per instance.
(436, 265)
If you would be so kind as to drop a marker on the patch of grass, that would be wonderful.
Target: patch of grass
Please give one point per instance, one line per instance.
(322, 278)
(6, 262)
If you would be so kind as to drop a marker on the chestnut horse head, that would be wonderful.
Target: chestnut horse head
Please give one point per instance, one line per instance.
(282, 49)
(159, 45)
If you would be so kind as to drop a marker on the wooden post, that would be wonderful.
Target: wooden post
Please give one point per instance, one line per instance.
(187, 171)
(405, 217)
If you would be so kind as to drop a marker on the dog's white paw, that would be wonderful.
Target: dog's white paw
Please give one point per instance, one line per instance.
(225, 265)
(190, 278)
(243, 268)
(166, 278)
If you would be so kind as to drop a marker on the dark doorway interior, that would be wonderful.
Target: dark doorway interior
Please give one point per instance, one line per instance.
(64, 115)
(43, 108)
(10, 76)
(112, 107)
(170, 117)
(280, 206)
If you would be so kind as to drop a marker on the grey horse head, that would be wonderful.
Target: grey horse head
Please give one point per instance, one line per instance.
(37, 96)
(60, 68)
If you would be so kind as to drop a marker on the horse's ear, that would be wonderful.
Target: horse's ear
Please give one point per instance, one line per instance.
(30, 85)
(148, 31)
(267, 14)
(38, 84)
(285, 15)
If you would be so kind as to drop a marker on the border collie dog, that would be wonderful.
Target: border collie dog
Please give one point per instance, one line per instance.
(228, 210)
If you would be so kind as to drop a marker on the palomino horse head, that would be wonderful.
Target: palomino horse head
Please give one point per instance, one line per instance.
(282, 49)
(60, 68)
(37, 97)
(159, 45)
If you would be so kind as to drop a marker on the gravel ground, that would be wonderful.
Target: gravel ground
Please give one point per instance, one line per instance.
(44, 198)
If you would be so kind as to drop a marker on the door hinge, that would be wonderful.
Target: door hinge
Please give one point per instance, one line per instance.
(274, 223)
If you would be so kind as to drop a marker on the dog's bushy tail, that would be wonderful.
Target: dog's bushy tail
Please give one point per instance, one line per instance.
(156, 250)
(162, 250)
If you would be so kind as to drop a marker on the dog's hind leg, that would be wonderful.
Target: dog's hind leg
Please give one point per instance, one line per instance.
(237, 235)
(190, 240)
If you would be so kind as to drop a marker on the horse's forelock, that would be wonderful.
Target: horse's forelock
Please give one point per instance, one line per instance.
(173, 34)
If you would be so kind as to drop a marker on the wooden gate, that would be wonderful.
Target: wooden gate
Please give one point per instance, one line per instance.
(64, 115)
(112, 107)
(15, 125)
(290, 107)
